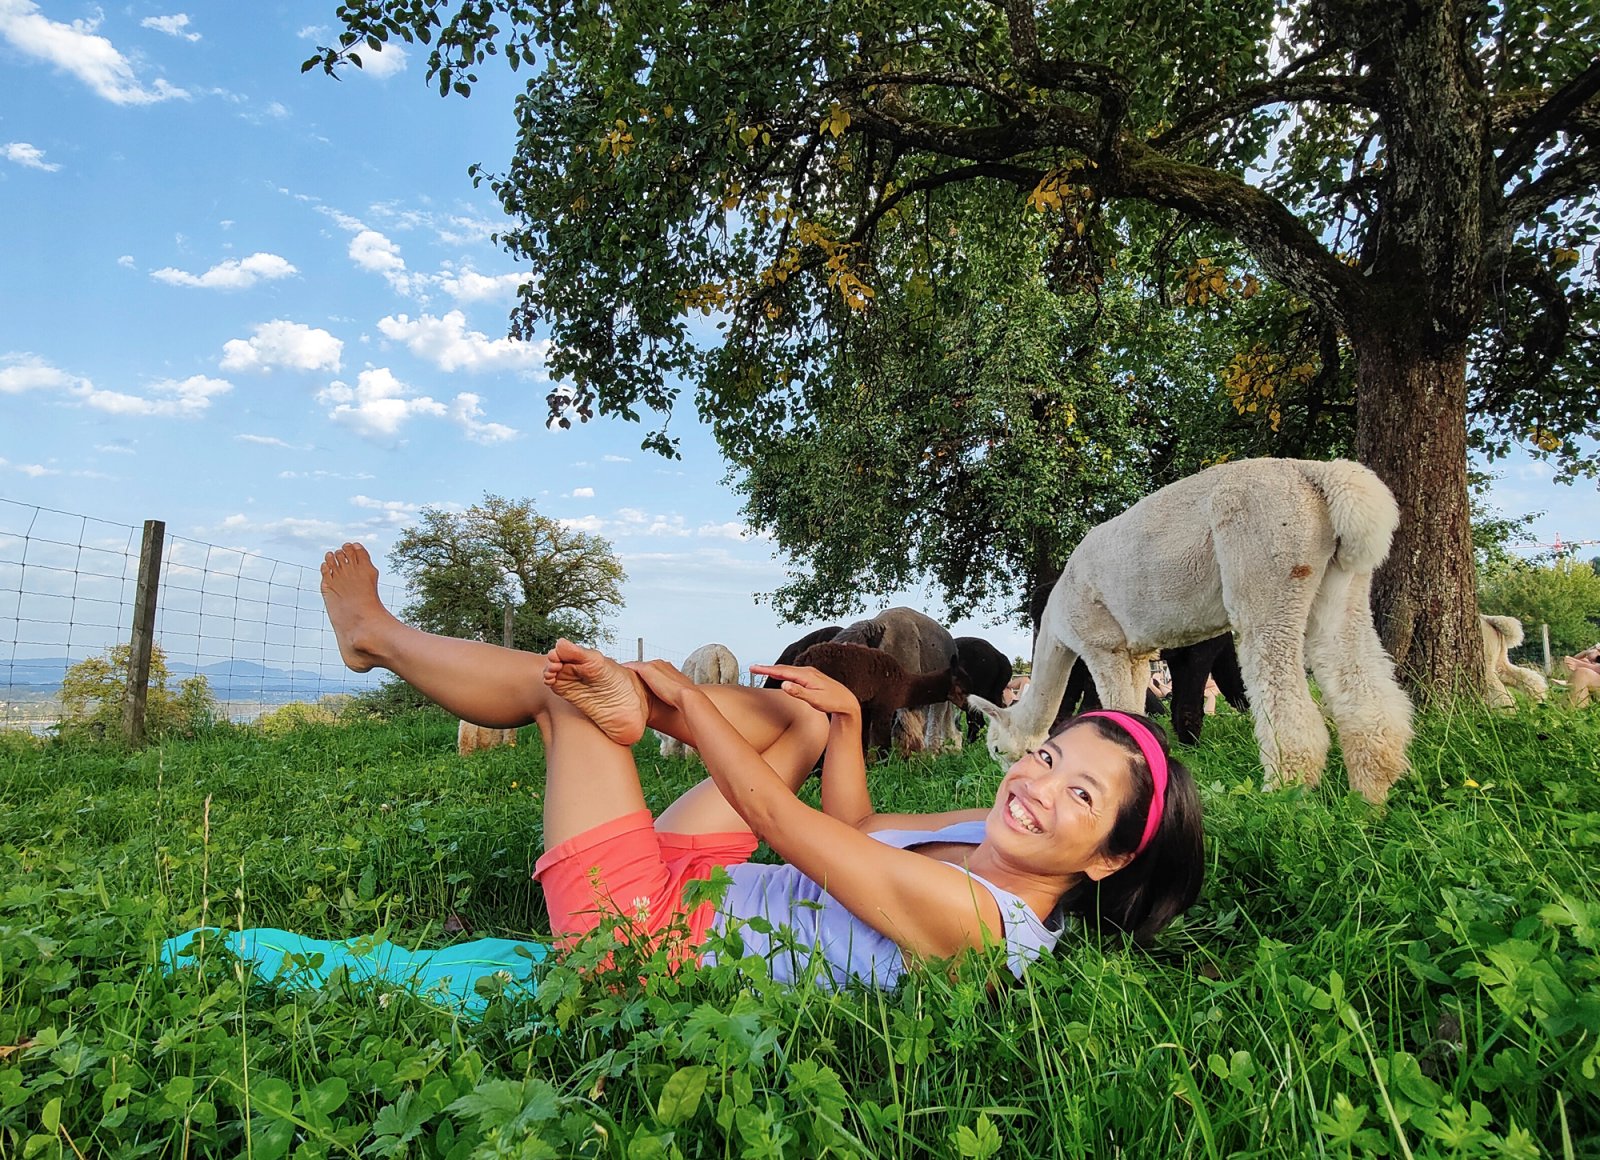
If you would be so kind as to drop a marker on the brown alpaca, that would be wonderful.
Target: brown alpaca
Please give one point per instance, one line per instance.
(883, 686)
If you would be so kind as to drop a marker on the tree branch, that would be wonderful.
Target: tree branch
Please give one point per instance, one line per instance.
(1328, 90)
(1113, 89)
(1577, 174)
(1551, 118)
(1015, 174)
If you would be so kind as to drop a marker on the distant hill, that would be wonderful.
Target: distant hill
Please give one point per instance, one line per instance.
(230, 680)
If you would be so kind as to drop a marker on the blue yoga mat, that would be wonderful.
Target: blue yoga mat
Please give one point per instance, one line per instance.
(448, 976)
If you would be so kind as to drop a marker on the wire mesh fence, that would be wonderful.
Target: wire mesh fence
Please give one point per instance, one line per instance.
(252, 626)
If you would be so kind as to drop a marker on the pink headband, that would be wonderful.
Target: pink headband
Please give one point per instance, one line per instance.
(1153, 757)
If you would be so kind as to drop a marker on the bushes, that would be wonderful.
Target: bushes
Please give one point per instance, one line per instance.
(95, 690)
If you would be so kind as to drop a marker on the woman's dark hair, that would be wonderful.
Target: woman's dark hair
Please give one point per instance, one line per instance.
(1163, 881)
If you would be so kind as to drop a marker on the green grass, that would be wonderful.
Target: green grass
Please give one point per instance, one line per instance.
(1418, 981)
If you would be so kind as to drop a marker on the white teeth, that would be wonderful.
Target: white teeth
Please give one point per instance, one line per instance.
(1022, 818)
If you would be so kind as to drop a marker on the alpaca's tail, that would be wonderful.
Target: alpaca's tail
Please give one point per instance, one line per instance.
(1507, 628)
(1362, 510)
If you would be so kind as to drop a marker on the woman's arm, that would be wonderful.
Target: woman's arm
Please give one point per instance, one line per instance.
(927, 907)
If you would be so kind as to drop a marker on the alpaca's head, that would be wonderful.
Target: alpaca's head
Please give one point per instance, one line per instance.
(1009, 735)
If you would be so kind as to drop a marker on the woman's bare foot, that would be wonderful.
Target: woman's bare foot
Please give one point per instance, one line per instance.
(601, 689)
(350, 592)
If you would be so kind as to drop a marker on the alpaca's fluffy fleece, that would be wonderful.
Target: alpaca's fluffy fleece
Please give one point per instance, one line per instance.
(1500, 634)
(1279, 551)
(710, 664)
(470, 738)
(921, 645)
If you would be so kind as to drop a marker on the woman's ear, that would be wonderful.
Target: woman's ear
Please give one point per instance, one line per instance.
(1105, 865)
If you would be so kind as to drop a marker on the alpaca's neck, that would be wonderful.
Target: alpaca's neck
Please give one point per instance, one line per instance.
(1036, 709)
(927, 688)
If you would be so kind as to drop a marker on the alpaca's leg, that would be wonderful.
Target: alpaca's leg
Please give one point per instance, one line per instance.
(1190, 667)
(1115, 680)
(1269, 612)
(939, 731)
(1494, 692)
(1357, 679)
(1140, 675)
(1529, 681)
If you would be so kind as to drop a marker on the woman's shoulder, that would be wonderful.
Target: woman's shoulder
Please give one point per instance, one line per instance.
(968, 833)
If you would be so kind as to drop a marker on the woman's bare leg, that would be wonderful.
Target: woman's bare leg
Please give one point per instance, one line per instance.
(590, 774)
(787, 733)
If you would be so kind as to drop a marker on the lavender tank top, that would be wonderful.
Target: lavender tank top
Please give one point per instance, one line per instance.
(852, 951)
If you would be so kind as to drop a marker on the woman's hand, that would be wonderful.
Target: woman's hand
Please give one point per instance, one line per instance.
(812, 686)
(664, 680)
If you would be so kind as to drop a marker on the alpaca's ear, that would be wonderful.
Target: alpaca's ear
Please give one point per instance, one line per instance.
(988, 708)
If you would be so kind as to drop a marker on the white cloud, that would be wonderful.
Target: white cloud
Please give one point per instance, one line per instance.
(615, 459)
(449, 345)
(114, 448)
(232, 274)
(28, 372)
(382, 63)
(173, 25)
(732, 530)
(268, 441)
(28, 156)
(471, 286)
(74, 48)
(378, 405)
(466, 410)
(126, 261)
(372, 251)
(394, 510)
(313, 32)
(631, 522)
(172, 399)
(317, 533)
(324, 474)
(283, 344)
(582, 493)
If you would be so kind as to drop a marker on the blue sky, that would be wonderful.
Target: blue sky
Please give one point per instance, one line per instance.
(265, 307)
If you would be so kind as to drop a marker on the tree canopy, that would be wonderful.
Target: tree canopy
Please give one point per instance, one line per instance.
(467, 569)
(737, 195)
(95, 690)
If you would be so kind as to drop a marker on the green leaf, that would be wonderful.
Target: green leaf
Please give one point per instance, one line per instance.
(680, 1096)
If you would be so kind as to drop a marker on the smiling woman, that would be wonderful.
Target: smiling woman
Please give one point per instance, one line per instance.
(1097, 822)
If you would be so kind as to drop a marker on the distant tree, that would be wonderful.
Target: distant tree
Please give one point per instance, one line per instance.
(467, 568)
(1421, 172)
(1565, 594)
(94, 691)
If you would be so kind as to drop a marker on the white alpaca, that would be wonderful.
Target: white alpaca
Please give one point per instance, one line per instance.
(471, 738)
(710, 664)
(1280, 551)
(1501, 633)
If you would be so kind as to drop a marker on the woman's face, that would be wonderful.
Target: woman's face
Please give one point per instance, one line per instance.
(1056, 806)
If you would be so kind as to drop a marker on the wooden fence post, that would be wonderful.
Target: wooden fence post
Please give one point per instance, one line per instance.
(1544, 635)
(505, 628)
(144, 632)
(641, 650)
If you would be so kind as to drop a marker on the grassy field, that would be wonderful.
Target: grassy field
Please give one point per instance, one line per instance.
(1421, 981)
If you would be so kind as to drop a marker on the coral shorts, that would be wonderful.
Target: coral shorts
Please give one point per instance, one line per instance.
(626, 867)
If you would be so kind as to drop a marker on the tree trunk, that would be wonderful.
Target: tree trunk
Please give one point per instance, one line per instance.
(1412, 431)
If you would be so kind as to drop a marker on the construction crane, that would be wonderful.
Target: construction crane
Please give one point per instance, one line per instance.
(1559, 546)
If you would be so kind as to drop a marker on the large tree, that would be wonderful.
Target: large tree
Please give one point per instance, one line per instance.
(467, 569)
(1420, 172)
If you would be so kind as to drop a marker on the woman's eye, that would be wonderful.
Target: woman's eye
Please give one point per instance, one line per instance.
(1083, 795)
(1044, 756)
